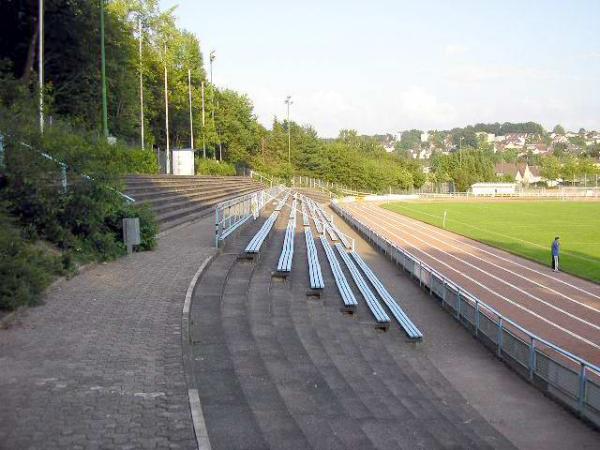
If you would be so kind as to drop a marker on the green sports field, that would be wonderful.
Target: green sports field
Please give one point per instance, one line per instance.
(526, 228)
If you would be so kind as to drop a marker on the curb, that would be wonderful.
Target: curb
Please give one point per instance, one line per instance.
(200, 431)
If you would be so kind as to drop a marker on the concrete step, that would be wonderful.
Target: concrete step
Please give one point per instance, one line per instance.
(197, 196)
(201, 198)
(194, 208)
(141, 189)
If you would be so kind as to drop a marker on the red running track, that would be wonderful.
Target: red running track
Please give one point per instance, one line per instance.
(558, 307)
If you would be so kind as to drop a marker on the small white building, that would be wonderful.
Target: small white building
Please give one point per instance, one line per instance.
(492, 189)
(183, 161)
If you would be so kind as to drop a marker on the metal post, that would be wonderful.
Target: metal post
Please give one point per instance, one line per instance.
(203, 123)
(477, 318)
(41, 62)
(168, 156)
(103, 55)
(289, 102)
(191, 115)
(532, 359)
(141, 86)
(581, 397)
(500, 336)
(458, 303)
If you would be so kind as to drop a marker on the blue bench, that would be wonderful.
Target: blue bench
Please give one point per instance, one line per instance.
(305, 219)
(340, 279)
(258, 239)
(282, 202)
(411, 330)
(381, 317)
(314, 268)
(287, 252)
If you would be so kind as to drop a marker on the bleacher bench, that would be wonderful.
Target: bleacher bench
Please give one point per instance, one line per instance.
(258, 239)
(287, 252)
(340, 279)
(314, 267)
(381, 317)
(409, 327)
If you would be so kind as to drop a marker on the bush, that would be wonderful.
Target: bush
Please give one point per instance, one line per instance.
(25, 270)
(214, 167)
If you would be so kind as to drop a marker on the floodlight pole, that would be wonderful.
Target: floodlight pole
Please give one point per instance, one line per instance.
(41, 62)
(288, 102)
(141, 86)
(168, 156)
(191, 115)
(103, 54)
(203, 123)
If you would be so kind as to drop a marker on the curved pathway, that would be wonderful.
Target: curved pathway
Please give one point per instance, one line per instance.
(100, 363)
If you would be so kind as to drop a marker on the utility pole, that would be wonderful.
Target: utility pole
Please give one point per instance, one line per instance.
(41, 62)
(203, 123)
(141, 86)
(191, 115)
(103, 52)
(168, 155)
(288, 102)
(211, 58)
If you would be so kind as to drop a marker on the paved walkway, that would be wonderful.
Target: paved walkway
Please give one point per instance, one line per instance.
(99, 365)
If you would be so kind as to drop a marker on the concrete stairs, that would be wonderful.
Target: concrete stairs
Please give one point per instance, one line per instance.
(315, 194)
(277, 369)
(179, 199)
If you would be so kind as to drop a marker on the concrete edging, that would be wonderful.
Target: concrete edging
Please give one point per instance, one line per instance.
(197, 414)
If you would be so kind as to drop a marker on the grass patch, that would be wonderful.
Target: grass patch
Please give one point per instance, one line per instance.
(525, 228)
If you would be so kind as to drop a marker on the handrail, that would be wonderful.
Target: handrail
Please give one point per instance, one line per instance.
(63, 169)
(473, 298)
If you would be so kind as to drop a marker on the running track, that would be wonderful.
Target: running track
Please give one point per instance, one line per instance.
(558, 307)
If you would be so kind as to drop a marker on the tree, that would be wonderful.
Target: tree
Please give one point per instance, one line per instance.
(558, 129)
(550, 168)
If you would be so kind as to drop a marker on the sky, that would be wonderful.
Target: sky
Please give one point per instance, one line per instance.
(381, 66)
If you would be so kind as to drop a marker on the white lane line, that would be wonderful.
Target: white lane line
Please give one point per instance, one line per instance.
(577, 288)
(550, 305)
(549, 322)
(198, 420)
(409, 225)
(573, 255)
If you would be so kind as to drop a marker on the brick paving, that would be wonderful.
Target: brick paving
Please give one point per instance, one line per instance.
(99, 365)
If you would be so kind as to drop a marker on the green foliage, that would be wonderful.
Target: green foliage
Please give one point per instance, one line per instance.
(213, 167)
(25, 269)
(558, 129)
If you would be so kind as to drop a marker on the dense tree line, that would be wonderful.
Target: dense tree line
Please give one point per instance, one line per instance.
(73, 91)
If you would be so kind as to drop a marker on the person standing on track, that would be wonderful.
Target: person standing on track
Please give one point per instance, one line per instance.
(555, 253)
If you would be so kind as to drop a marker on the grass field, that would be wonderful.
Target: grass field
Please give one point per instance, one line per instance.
(525, 228)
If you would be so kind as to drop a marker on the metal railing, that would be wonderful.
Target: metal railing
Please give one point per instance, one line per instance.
(568, 378)
(231, 214)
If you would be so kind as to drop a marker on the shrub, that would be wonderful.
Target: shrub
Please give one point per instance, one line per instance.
(25, 270)
(214, 167)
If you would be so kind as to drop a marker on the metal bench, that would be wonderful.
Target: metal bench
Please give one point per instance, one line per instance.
(258, 239)
(287, 252)
(305, 219)
(314, 268)
(282, 202)
(411, 330)
(340, 279)
(381, 317)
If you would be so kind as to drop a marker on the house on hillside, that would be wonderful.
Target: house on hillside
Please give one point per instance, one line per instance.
(521, 173)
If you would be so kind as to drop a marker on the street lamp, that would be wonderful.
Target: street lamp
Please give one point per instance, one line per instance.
(288, 102)
(103, 55)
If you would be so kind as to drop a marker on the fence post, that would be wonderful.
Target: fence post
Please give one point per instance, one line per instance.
(458, 303)
(217, 227)
(476, 317)
(420, 272)
(500, 337)
(532, 361)
(581, 398)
